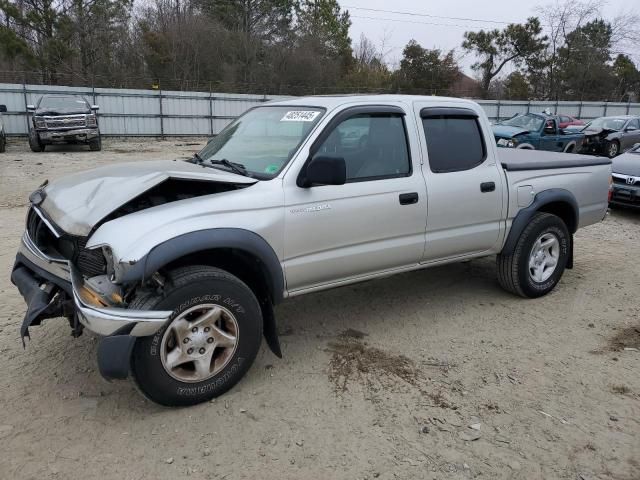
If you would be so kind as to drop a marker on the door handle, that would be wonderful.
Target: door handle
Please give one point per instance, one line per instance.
(408, 198)
(487, 187)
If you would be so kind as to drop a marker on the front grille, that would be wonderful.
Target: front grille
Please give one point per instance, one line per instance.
(619, 180)
(66, 122)
(89, 262)
(41, 235)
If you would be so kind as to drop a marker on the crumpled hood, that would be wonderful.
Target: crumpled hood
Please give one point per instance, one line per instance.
(591, 131)
(76, 203)
(627, 164)
(506, 131)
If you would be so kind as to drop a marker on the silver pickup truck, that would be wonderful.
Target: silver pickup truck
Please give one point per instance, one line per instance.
(178, 264)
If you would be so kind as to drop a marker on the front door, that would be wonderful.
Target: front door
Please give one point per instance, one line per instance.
(550, 140)
(630, 135)
(374, 222)
(465, 185)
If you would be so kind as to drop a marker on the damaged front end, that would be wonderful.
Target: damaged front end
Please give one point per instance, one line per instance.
(57, 274)
(596, 141)
(52, 286)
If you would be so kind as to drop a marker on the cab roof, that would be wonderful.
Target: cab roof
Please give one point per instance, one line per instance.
(332, 101)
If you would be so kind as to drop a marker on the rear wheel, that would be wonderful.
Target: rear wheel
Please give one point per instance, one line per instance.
(207, 345)
(539, 258)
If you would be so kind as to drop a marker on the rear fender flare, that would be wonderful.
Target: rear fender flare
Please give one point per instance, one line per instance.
(523, 217)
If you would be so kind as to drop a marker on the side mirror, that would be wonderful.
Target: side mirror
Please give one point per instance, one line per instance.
(95, 107)
(3, 108)
(324, 170)
(31, 108)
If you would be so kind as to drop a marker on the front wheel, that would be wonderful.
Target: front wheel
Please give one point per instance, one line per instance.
(34, 142)
(539, 258)
(613, 148)
(207, 345)
(95, 145)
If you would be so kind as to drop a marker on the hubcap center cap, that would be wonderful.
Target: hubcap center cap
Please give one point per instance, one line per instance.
(198, 341)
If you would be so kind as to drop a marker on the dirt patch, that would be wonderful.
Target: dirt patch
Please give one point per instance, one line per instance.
(352, 359)
(626, 338)
(620, 389)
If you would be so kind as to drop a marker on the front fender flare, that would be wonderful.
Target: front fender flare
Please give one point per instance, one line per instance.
(200, 240)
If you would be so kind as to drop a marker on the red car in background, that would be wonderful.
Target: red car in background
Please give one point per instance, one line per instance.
(566, 121)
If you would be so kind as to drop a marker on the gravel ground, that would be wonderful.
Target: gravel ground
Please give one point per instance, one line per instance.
(436, 374)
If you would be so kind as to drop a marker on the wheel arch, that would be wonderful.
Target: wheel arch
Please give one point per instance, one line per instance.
(525, 146)
(240, 252)
(557, 201)
(570, 147)
(246, 245)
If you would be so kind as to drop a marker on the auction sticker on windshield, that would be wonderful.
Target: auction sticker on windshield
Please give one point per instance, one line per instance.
(300, 116)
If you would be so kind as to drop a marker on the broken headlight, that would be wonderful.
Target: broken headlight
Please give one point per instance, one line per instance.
(39, 122)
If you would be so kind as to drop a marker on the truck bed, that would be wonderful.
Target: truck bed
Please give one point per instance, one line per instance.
(515, 159)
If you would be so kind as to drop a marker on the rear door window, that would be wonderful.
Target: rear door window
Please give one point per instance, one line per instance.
(454, 141)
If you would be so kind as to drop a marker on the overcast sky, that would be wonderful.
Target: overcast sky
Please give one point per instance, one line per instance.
(425, 26)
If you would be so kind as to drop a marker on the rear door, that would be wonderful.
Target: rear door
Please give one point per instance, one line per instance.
(465, 186)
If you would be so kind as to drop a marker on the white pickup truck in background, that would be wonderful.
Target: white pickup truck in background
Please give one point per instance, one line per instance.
(178, 264)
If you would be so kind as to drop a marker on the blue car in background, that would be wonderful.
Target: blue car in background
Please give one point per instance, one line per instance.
(537, 131)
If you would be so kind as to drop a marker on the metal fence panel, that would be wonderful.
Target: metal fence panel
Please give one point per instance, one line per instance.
(132, 112)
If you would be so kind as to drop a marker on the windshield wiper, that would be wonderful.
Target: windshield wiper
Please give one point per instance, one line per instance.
(233, 166)
(197, 159)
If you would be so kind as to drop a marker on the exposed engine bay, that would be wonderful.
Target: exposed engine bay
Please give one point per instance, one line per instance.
(595, 141)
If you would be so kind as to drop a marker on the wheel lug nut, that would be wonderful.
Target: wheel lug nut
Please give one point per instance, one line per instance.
(206, 329)
(186, 340)
(202, 350)
(194, 329)
(209, 340)
(190, 351)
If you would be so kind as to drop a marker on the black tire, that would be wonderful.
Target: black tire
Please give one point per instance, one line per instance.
(95, 145)
(3, 143)
(513, 269)
(613, 148)
(34, 142)
(186, 288)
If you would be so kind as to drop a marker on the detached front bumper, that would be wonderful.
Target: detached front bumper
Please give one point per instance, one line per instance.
(72, 135)
(36, 272)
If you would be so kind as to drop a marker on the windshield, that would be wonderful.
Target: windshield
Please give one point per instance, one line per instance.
(264, 139)
(608, 123)
(528, 121)
(64, 102)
